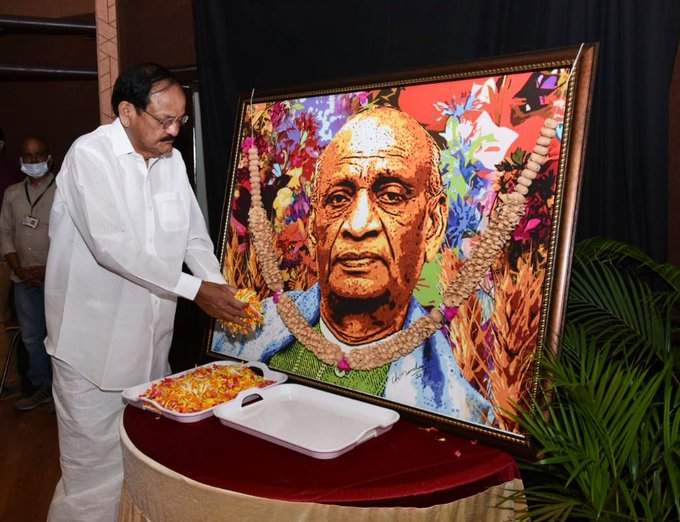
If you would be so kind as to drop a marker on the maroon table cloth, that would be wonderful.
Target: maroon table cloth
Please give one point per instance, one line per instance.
(409, 466)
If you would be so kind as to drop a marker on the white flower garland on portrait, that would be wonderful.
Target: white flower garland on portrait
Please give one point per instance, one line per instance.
(505, 217)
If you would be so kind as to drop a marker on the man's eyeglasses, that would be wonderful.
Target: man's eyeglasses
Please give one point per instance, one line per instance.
(166, 124)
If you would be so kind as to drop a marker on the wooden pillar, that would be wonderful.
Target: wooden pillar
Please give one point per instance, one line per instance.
(107, 55)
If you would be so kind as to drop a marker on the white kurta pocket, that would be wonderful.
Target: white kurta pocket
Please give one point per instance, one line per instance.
(171, 211)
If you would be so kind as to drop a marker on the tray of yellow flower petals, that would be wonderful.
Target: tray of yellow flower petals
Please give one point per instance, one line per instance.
(191, 396)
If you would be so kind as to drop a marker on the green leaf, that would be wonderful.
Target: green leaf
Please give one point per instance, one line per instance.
(608, 427)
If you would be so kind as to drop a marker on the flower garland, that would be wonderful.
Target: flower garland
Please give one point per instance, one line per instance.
(503, 221)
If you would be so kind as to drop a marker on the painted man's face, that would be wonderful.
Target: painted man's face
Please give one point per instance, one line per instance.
(372, 219)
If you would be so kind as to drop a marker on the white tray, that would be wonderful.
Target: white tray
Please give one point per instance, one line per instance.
(319, 424)
(132, 395)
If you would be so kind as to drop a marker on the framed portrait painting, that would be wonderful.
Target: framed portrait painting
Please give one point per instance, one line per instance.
(408, 237)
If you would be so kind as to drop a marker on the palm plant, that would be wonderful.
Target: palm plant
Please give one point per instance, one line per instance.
(608, 424)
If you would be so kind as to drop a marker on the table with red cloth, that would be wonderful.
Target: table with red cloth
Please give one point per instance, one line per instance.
(208, 471)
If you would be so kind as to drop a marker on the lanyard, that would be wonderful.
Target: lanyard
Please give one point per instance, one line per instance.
(34, 203)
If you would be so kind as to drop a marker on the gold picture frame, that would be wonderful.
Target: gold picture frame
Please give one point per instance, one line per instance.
(484, 118)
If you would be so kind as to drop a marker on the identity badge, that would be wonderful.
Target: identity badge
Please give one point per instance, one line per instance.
(30, 221)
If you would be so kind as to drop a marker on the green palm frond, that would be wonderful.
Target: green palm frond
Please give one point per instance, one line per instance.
(593, 428)
(608, 426)
(617, 309)
(604, 249)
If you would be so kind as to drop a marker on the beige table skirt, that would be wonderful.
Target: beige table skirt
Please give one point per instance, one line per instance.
(154, 493)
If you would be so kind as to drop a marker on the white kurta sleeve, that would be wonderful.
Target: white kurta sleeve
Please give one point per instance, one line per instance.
(105, 219)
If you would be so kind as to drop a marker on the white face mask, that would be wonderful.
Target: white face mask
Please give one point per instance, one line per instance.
(36, 170)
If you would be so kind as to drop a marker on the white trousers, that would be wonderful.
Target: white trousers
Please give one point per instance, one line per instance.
(89, 446)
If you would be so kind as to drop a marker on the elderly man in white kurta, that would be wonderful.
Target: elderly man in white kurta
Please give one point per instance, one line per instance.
(124, 220)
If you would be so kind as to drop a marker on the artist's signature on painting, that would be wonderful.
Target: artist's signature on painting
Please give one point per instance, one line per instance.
(417, 372)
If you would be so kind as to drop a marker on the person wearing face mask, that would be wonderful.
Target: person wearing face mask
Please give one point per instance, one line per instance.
(24, 243)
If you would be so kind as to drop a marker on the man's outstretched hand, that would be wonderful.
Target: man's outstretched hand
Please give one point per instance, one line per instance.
(218, 301)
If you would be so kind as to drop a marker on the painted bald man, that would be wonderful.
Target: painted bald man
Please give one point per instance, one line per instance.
(378, 214)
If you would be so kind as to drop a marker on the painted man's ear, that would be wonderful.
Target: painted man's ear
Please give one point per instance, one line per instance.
(437, 213)
(311, 233)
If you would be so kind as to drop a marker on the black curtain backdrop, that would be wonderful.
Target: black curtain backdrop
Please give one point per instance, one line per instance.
(265, 44)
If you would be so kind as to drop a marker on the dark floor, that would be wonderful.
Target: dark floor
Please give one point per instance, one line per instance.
(29, 448)
(29, 460)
